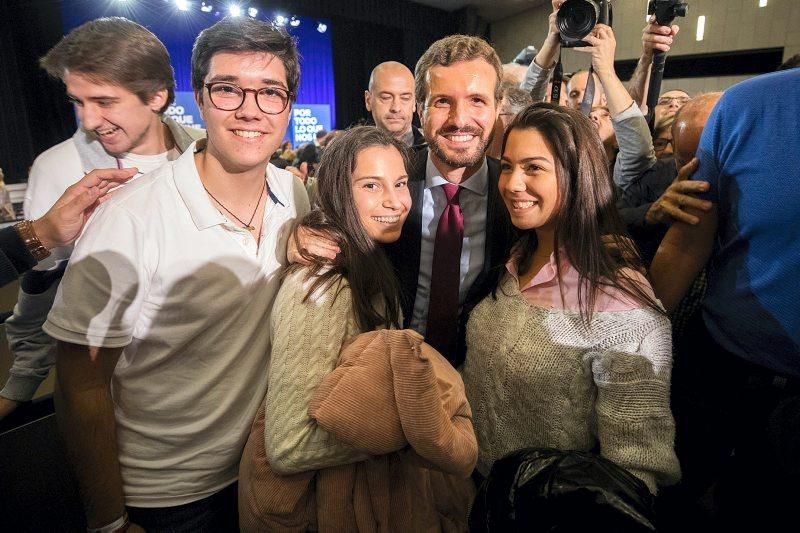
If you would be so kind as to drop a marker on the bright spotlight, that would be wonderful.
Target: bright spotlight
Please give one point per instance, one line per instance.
(294, 22)
(280, 20)
(206, 8)
(182, 5)
(701, 27)
(322, 28)
(252, 12)
(235, 10)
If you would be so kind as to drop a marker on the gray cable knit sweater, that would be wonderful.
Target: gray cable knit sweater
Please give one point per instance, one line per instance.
(537, 377)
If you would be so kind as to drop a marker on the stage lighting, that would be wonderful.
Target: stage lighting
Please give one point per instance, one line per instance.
(234, 10)
(280, 20)
(252, 11)
(182, 5)
(322, 28)
(294, 22)
(701, 28)
(206, 8)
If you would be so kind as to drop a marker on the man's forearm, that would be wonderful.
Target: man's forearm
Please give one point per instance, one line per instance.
(640, 80)
(85, 414)
(681, 256)
(548, 53)
(635, 154)
(617, 96)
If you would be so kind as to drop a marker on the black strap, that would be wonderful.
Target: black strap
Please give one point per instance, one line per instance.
(558, 78)
(588, 95)
(654, 89)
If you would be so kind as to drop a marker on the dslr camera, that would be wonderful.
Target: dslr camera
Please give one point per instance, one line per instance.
(666, 10)
(576, 19)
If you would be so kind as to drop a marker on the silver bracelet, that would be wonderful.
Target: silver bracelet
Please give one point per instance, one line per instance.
(120, 524)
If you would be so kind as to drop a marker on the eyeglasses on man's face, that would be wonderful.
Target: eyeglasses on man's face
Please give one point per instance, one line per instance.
(230, 97)
(667, 100)
(660, 144)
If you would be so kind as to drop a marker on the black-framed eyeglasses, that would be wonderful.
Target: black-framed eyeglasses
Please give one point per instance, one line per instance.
(660, 144)
(230, 97)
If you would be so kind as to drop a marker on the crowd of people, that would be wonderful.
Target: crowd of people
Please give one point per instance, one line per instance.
(350, 335)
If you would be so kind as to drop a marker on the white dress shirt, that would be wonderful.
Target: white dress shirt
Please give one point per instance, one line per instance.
(473, 199)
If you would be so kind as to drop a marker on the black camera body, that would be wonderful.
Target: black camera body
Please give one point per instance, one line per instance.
(666, 10)
(576, 19)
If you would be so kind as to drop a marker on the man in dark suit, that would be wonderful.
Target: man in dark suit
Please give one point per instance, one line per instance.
(456, 238)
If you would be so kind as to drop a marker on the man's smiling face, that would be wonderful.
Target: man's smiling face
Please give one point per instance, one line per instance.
(119, 118)
(246, 137)
(459, 112)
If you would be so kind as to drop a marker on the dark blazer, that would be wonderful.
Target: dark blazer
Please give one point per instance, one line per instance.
(405, 252)
(419, 143)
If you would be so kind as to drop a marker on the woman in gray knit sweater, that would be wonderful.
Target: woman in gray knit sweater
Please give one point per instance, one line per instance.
(572, 350)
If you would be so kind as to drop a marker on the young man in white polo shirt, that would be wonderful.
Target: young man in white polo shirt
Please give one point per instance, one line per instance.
(161, 316)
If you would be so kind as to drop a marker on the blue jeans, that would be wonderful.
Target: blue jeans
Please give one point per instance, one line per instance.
(217, 513)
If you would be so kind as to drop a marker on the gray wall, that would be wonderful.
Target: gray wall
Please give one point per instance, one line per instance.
(730, 25)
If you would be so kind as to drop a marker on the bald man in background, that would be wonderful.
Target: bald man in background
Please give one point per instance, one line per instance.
(390, 99)
(652, 202)
(576, 88)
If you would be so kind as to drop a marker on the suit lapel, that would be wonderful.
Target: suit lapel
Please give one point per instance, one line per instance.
(405, 253)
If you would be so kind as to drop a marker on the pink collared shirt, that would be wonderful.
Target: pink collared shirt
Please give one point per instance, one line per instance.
(543, 289)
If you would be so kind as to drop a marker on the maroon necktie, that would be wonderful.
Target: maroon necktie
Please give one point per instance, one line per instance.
(445, 274)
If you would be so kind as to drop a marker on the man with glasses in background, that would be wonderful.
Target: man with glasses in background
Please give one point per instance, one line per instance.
(162, 353)
(670, 103)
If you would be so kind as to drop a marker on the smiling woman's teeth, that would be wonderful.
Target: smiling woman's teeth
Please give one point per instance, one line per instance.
(107, 132)
(387, 220)
(522, 205)
(247, 134)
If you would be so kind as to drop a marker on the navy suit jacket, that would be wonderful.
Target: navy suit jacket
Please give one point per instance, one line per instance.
(405, 252)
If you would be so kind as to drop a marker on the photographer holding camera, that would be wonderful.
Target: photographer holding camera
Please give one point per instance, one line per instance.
(569, 22)
(635, 143)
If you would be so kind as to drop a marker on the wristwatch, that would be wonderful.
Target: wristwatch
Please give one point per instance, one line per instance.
(31, 240)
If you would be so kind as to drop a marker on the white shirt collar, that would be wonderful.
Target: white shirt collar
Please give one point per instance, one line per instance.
(477, 183)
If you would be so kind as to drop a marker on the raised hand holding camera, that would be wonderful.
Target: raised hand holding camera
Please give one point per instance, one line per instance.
(664, 12)
(602, 47)
(657, 38)
(577, 18)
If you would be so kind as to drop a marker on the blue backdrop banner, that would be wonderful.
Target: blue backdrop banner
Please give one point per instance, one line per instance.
(178, 29)
(185, 111)
(307, 120)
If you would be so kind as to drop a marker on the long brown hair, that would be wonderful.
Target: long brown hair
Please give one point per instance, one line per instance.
(588, 228)
(361, 262)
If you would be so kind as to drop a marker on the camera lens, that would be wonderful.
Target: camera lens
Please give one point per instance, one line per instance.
(576, 18)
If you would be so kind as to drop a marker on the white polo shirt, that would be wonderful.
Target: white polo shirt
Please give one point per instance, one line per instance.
(161, 272)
